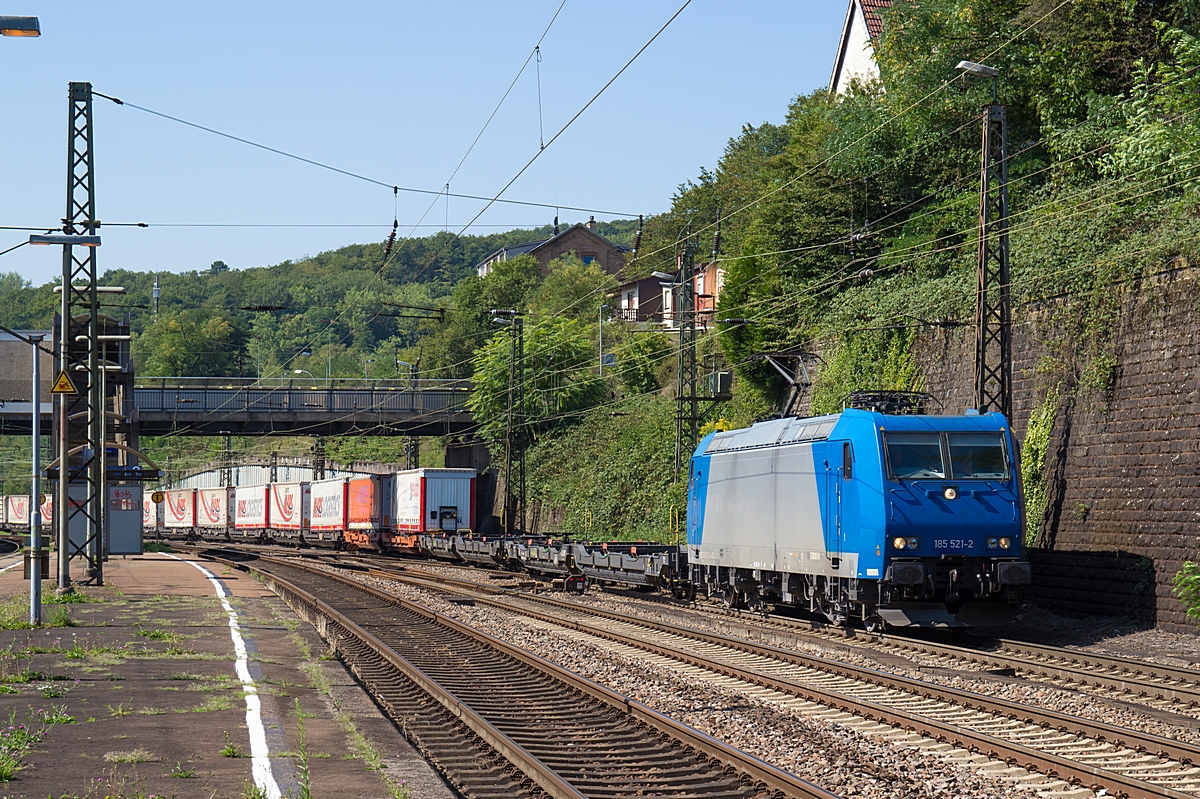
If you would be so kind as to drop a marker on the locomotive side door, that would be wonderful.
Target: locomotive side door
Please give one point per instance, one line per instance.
(835, 536)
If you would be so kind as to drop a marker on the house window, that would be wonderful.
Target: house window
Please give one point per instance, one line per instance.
(629, 300)
(588, 257)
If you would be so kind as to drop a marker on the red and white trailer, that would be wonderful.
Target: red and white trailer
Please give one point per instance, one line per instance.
(152, 513)
(328, 508)
(16, 510)
(47, 509)
(214, 508)
(180, 509)
(252, 509)
(290, 505)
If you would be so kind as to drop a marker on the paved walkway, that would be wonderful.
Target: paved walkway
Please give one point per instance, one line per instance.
(191, 681)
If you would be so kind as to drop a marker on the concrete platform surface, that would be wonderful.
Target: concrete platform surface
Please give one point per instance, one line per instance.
(142, 690)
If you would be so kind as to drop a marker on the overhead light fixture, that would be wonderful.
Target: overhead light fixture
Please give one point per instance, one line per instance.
(663, 276)
(20, 26)
(60, 238)
(978, 70)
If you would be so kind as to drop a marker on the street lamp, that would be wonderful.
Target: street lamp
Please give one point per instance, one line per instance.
(601, 322)
(26, 27)
(304, 372)
(980, 71)
(35, 497)
(366, 365)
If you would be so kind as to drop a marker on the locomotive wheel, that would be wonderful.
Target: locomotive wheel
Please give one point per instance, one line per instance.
(730, 598)
(874, 624)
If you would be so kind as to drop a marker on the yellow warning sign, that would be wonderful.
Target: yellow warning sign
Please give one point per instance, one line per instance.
(157, 497)
(63, 384)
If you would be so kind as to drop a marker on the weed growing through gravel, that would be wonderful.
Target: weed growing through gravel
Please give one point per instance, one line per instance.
(72, 596)
(252, 791)
(230, 749)
(14, 615)
(120, 710)
(181, 773)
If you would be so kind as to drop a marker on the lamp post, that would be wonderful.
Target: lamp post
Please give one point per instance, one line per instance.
(366, 366)
(35, 497)
(600, 319)
(25, 27)
(993, 312)
(304, 372)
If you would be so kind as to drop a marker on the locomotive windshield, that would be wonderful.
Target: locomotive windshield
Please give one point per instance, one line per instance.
(915, 456)
(977, 456)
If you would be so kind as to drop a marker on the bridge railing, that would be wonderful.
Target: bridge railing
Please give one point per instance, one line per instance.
(291, 383)
(219, 395)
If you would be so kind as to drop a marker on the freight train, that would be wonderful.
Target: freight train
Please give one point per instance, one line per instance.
(379, 512)
(881, 518)
(903, 520)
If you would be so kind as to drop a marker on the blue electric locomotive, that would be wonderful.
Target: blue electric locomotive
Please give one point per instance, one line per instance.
(893, 519)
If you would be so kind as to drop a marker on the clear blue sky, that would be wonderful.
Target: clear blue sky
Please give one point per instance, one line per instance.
(396, 91)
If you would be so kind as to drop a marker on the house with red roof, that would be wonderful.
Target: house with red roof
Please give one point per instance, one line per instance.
(856, 51)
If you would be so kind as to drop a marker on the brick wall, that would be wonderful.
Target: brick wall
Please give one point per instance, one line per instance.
(1124, 465)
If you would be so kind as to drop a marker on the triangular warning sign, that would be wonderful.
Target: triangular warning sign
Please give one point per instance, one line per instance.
(63, 384)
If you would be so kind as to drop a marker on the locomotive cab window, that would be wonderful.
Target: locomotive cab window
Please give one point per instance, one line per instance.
(978, 456)
(914, 456)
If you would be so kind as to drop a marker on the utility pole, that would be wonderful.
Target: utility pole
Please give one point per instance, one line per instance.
(81, 414)
(993, 313)
(687, 415)
(412, 452)
(157, 294)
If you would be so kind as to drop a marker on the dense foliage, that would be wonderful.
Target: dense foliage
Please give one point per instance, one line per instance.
(848, 229)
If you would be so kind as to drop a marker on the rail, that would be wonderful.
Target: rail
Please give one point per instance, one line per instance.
(705, 765)
(1100, 762)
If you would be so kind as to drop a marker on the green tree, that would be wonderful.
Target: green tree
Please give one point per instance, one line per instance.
(191, 343)
(559, 382)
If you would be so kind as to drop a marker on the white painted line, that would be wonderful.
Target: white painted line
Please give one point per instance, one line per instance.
(259, 752)
(15, 565)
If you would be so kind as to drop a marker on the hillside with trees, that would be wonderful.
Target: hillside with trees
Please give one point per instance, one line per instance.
(1104, 141)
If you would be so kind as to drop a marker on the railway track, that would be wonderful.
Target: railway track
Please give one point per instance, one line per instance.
(1082, 752)
(501, 722)
(1161, 686)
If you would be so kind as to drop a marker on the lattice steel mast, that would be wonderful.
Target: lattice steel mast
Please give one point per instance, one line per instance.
(993, 313)
(81, 416)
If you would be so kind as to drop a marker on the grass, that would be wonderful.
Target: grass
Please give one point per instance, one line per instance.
(211, 705)
(120, 710)
(361, 747)
(139, 755)
(181, 773)
(72, 596)
(156, 546)
(14, 615)
(302, 771)
(157, 635)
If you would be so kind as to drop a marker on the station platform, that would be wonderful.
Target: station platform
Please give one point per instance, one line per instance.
(174, 680)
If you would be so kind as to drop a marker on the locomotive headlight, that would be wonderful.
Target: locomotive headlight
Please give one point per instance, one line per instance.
(1006, 543)
(899, 543)
(950, 492)
(992, 543)
(914, 543)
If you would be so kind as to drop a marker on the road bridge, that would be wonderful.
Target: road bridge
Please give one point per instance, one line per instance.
(210, 406)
